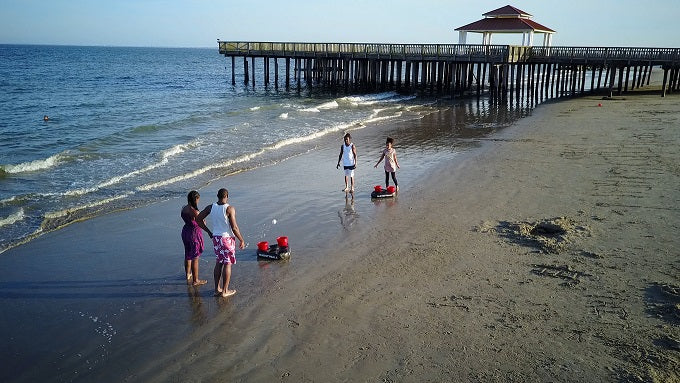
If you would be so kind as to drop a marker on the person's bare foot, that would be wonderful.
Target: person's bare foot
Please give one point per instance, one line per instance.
(345, 189)
(200, 282)
(228, 293)
(189, 278)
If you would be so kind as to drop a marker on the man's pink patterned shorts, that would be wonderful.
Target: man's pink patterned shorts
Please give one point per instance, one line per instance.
(225, 249)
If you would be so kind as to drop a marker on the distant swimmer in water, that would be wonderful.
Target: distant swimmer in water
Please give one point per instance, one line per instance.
(45, 118)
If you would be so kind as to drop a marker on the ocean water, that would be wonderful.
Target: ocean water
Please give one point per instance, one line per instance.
(128, 126)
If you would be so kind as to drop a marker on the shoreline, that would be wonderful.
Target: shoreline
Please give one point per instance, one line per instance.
(438, 284)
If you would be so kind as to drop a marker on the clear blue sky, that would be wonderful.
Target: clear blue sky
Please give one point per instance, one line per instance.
(199, 23)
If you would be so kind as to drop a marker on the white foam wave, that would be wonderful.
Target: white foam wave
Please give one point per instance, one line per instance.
(325, 106)
(375, 117)
(8, 200)
(164, 159)
(328, 105)
(195, 173)
(22, 240)
(246, 157)
(35, 165)
(372, 99)
(283, 116)
(62, 213)
(17, 216)
(309, 137)
(254, 108)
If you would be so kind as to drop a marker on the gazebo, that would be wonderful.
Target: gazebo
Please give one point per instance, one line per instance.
(506, 19)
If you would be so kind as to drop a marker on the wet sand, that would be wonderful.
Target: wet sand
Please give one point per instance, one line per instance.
(550, 253)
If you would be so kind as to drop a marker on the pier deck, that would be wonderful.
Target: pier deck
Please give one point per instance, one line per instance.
(457, 69)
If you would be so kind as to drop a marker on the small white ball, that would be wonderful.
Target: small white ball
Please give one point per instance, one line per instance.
(273, 222)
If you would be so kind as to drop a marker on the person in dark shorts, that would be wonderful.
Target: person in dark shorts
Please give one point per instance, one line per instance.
(391, 163)
(348, 156)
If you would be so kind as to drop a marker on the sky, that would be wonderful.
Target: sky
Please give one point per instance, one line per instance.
(200, 23)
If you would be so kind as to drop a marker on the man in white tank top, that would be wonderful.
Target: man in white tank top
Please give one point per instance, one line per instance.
(224, 233)
(348, 156)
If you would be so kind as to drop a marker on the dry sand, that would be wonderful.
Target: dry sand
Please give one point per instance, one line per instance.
(551, 254)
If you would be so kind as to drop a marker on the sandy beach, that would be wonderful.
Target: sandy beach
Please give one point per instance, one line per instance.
(548, 253)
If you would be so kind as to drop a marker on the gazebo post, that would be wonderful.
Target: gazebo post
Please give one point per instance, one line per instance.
(462, 37)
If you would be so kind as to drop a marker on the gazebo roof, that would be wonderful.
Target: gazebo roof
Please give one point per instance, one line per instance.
(505, 19)
(504, 25)
(507, 11)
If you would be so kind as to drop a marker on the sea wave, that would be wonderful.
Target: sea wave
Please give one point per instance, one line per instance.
(9, 200)
(65, 212)
(164, 159)
(198, 172)
(371, 99)
(375, 117)
(36, 165)
(250, 156)
(315, 135)
(325, 106)
(12, 218)
(57, 219)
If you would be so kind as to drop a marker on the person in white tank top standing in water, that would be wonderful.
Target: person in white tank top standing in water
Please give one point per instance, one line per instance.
(348, 156)
(224, 233)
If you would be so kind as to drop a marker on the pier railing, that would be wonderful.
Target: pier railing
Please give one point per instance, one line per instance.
(488, 53)
(605, 54)
(455, 52)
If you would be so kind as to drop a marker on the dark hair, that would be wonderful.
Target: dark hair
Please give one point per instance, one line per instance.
(347, 135)
(222, 193)
(390, 140)
(192, 199)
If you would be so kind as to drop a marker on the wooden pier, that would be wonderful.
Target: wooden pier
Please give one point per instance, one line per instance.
(505, 72)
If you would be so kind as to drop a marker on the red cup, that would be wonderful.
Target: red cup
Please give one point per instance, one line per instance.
(282, 241)
(263, 246)
(377, 188)
(391, 189)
